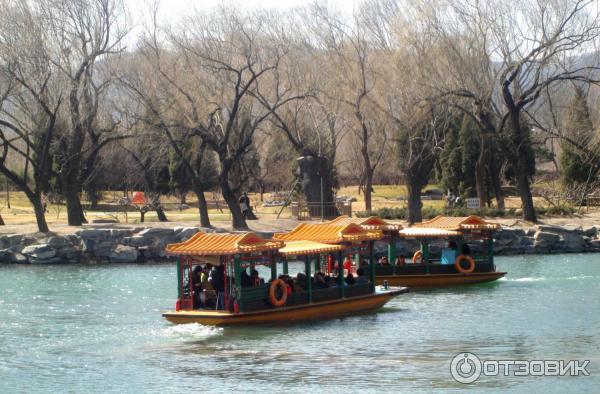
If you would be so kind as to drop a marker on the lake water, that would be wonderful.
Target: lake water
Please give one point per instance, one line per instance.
(88, 329)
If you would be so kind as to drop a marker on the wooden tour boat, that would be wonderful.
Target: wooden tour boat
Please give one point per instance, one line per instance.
(449, 267)
(234, 297)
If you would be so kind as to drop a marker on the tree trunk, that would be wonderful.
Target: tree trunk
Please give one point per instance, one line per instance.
(315, 174)
(525, 191)
(40, 217)
(74, 209)
(494, 173)
(520, 145)
(480, 178)
(202, 207)
(160, 212)
(239, 223)
(142, 215)
(413, 213)
(70, 189)
(368, 189)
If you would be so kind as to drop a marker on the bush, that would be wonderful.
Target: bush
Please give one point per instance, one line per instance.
(558, 210)
(431, 212)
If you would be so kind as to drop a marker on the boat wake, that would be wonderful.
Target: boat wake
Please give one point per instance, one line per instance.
(192, 331)
(539, 279)
(526, 279)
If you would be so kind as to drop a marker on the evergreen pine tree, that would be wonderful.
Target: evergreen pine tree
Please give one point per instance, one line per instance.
(450, 162)
(578, 126)
(469, 144)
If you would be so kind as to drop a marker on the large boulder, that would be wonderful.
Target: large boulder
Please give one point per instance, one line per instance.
(547, 228)
(39, 252)
(9, 256)
(52, 260)
(573, 242)
(157, 232)
(93, 234)
(594, 245)
(69, 253)
(137, 241)
(57, 241)
(591, 231)
(543, 238)
(186, 233)
(103, 249)
(123, 254)
(120, 233)
(506, 237)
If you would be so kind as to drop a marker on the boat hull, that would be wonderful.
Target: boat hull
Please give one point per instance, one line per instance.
(439, 280)
(313, 311)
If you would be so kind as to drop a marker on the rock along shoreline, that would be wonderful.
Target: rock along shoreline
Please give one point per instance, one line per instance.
(141, 244)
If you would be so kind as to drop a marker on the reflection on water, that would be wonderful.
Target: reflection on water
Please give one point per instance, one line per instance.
(99, 329)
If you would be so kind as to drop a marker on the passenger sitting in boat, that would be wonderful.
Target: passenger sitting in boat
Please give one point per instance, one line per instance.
(197, 282)
(466, 249)
(301, 281)
(208, 295)
(350, 279)
(246, 281)
(217, 279)
(401, 260)
(320, 282)
(288, 282)
(348, 263)
(384, 261)
(330, 282)
(363, 263)
(362, 278)
(255, 280)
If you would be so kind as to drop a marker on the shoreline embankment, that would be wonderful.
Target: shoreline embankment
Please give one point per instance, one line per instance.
(147, 244)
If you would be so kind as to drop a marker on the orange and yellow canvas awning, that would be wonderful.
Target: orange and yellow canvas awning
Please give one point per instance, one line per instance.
(303, 248)
(370, 223)
(329, 233)
(423, 232)
(211, 244)
(459, 223)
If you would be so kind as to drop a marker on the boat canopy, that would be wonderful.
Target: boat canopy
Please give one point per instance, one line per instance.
(458, 223)
(304, 248)
(421, 232)
(210, 244)
(329, 233)
(370, 223)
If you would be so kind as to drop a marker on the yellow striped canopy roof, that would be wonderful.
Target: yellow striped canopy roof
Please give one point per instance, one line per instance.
(370, 223)
(302, 248)
(422, 232)
(211, 244)
(329, 233)
(458, 223)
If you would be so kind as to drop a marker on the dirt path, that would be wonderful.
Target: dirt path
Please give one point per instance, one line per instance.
(282, 225)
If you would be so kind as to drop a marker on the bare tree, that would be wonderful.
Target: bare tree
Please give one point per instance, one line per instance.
(224, 59)
(28, 110)
(351, 52)
(518, 50)
(80, 35)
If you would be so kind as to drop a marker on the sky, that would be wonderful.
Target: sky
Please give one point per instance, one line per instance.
(171, 10)
(174, 8)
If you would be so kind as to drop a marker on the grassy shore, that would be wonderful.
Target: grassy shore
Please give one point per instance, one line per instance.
(20, 217)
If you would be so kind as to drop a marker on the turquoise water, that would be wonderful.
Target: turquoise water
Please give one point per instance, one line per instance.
(98, 328)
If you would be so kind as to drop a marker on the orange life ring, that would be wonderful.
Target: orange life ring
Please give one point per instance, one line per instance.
(418, 254)
(460, 268)
(272, 296)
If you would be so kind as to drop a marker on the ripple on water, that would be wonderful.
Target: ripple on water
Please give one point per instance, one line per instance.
(99, 329)
(189, 332)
